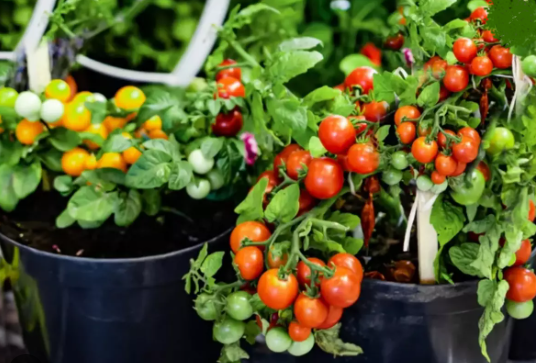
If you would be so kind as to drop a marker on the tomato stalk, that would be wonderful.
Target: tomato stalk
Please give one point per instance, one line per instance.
(240, 50)
(285, 183)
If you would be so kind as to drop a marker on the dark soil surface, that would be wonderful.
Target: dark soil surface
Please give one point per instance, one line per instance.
(33, 224)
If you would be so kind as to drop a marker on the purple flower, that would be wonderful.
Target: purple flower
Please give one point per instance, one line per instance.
(252, 149)
(409, 56)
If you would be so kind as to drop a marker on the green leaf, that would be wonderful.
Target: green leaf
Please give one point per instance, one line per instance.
(316, 148)
(351, 221)
(512, 244)
(63, 184)
(448, 219)
(10, 152)
(128, 208)
(97, 139)
(203, 253)
(92, 205)
(152, 201)
(325, 245)
(302, 43)
(432, 7)
(232, 353)
(285, 205)
(289, 113)
(489, 244)
(352, 245)
(211, 146)
(454, 24)
(291, 64)
(157, 103)
(252, 331)
(214, 107)
(471, 211)
(251, 208)
(8, 197)
(429, 96)
(116, 143)
(322, 94)
(64, 139)
(387, 85)
(383, 132)
(26, 179)
(152, 170)
(353, 61)
(181, 175)
(328, 340)
(463, 256)
(98, 111)
(64, 220)
(474, 4)
(212, 264)
(491, 295)
(480, 226)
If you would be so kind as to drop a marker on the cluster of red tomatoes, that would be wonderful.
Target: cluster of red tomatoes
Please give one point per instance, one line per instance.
(229, 85)
(454, 156)
(476, 56)
(279, 292)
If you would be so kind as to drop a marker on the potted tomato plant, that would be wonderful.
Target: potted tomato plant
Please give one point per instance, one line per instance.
(451, 154)
(105, 201)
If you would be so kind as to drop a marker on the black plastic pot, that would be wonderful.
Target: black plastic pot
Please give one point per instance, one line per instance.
(109, 311)
(405, 323)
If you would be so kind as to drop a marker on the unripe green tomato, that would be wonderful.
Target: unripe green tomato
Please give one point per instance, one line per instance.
(298, 349)
(278, 340)
(8, 97)
(200, 163)
(52, 110)
(204, 305)
(500, 139)
(440, 188)
(529, 65)
(392, 176)
(198, 84)
(28, 105)
(216, 179)
(238, 306)
(424, 183)
(229, 330)
(198, 189)
(399, 160)
(519, 311)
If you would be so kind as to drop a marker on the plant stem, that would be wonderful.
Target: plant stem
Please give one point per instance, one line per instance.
(177, 213)
(241, 51)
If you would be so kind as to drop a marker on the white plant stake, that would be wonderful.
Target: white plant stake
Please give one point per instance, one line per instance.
(426, 235)
(38, 65)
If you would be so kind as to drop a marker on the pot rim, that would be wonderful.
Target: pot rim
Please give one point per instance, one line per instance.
(47, 254)
(405, 286)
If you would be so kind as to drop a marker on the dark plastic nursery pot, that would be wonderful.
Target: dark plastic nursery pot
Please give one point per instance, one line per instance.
(109, 311)
(407, 323)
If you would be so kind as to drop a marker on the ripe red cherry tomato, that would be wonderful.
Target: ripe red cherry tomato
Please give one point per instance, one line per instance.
(233, 72)
(466, 150)
(501, 57)
(439, 68)
(334, 316)
(230, 87)
(445, 165)
(442, 139)
(437, 178)
(456, 79)
(297, 332)
(337, 134)
(228, 124)
(324, 179)
(488, 37)
(470, 132)
(406, 131)
(342, 289)
(295, 162)
(362, 77)
(443, 94)
(465, 50)
(459, 169)
(250, 262)
(349, 261)
(395, 42)
(363, 158)
(360, 127)
(282, 157)
(522, 284)
(255, 231)
(481, 66)
(523, 254)
(480, 14)
(372, 52)
(307, 202)
(304, 272)
(424, 152)
(276, 293)
(484, 169)
(375, 111)
(310, 312)
(406, 112)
